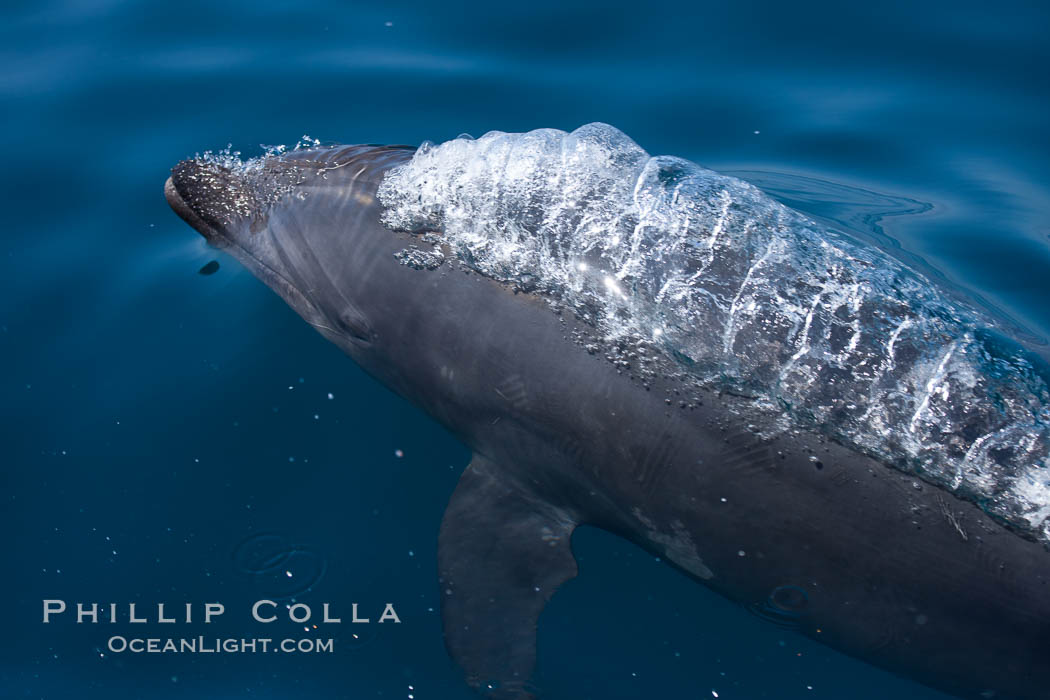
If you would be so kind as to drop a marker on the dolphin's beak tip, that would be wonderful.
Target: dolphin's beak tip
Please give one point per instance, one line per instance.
(199, 194)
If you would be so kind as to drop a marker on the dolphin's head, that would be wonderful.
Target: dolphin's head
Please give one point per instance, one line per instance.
(307, 224)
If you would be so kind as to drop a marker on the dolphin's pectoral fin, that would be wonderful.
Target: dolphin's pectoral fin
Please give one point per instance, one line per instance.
(502, 553)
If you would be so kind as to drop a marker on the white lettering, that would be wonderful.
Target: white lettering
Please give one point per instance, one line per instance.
(213, 610)
(389, 614)
(302, 606)
(57, 606)
(82, 612)
(327, 617)
(259, 604)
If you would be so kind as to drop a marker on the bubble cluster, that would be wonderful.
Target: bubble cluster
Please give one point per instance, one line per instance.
(744, 294)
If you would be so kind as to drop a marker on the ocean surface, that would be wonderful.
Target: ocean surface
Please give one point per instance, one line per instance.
(172, 436)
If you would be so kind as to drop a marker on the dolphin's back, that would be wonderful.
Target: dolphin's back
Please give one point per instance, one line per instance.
(746, 295)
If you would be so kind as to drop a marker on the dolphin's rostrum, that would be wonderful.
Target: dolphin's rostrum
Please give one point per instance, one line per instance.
(795, 419)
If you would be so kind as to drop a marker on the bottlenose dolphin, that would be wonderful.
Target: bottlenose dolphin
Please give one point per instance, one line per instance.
(789, 417)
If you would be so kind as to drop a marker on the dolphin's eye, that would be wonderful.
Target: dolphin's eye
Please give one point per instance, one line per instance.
(355, 325)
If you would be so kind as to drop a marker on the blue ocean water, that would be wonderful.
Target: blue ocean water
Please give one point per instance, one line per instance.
(171, 436)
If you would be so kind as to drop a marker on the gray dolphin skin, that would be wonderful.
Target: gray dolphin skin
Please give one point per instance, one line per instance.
(796, 453)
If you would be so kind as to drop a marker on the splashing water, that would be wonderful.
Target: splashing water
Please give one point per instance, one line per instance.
(248, 186)
(746, 295)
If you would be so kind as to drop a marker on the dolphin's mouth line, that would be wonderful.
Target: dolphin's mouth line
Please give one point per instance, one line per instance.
(222, 241)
